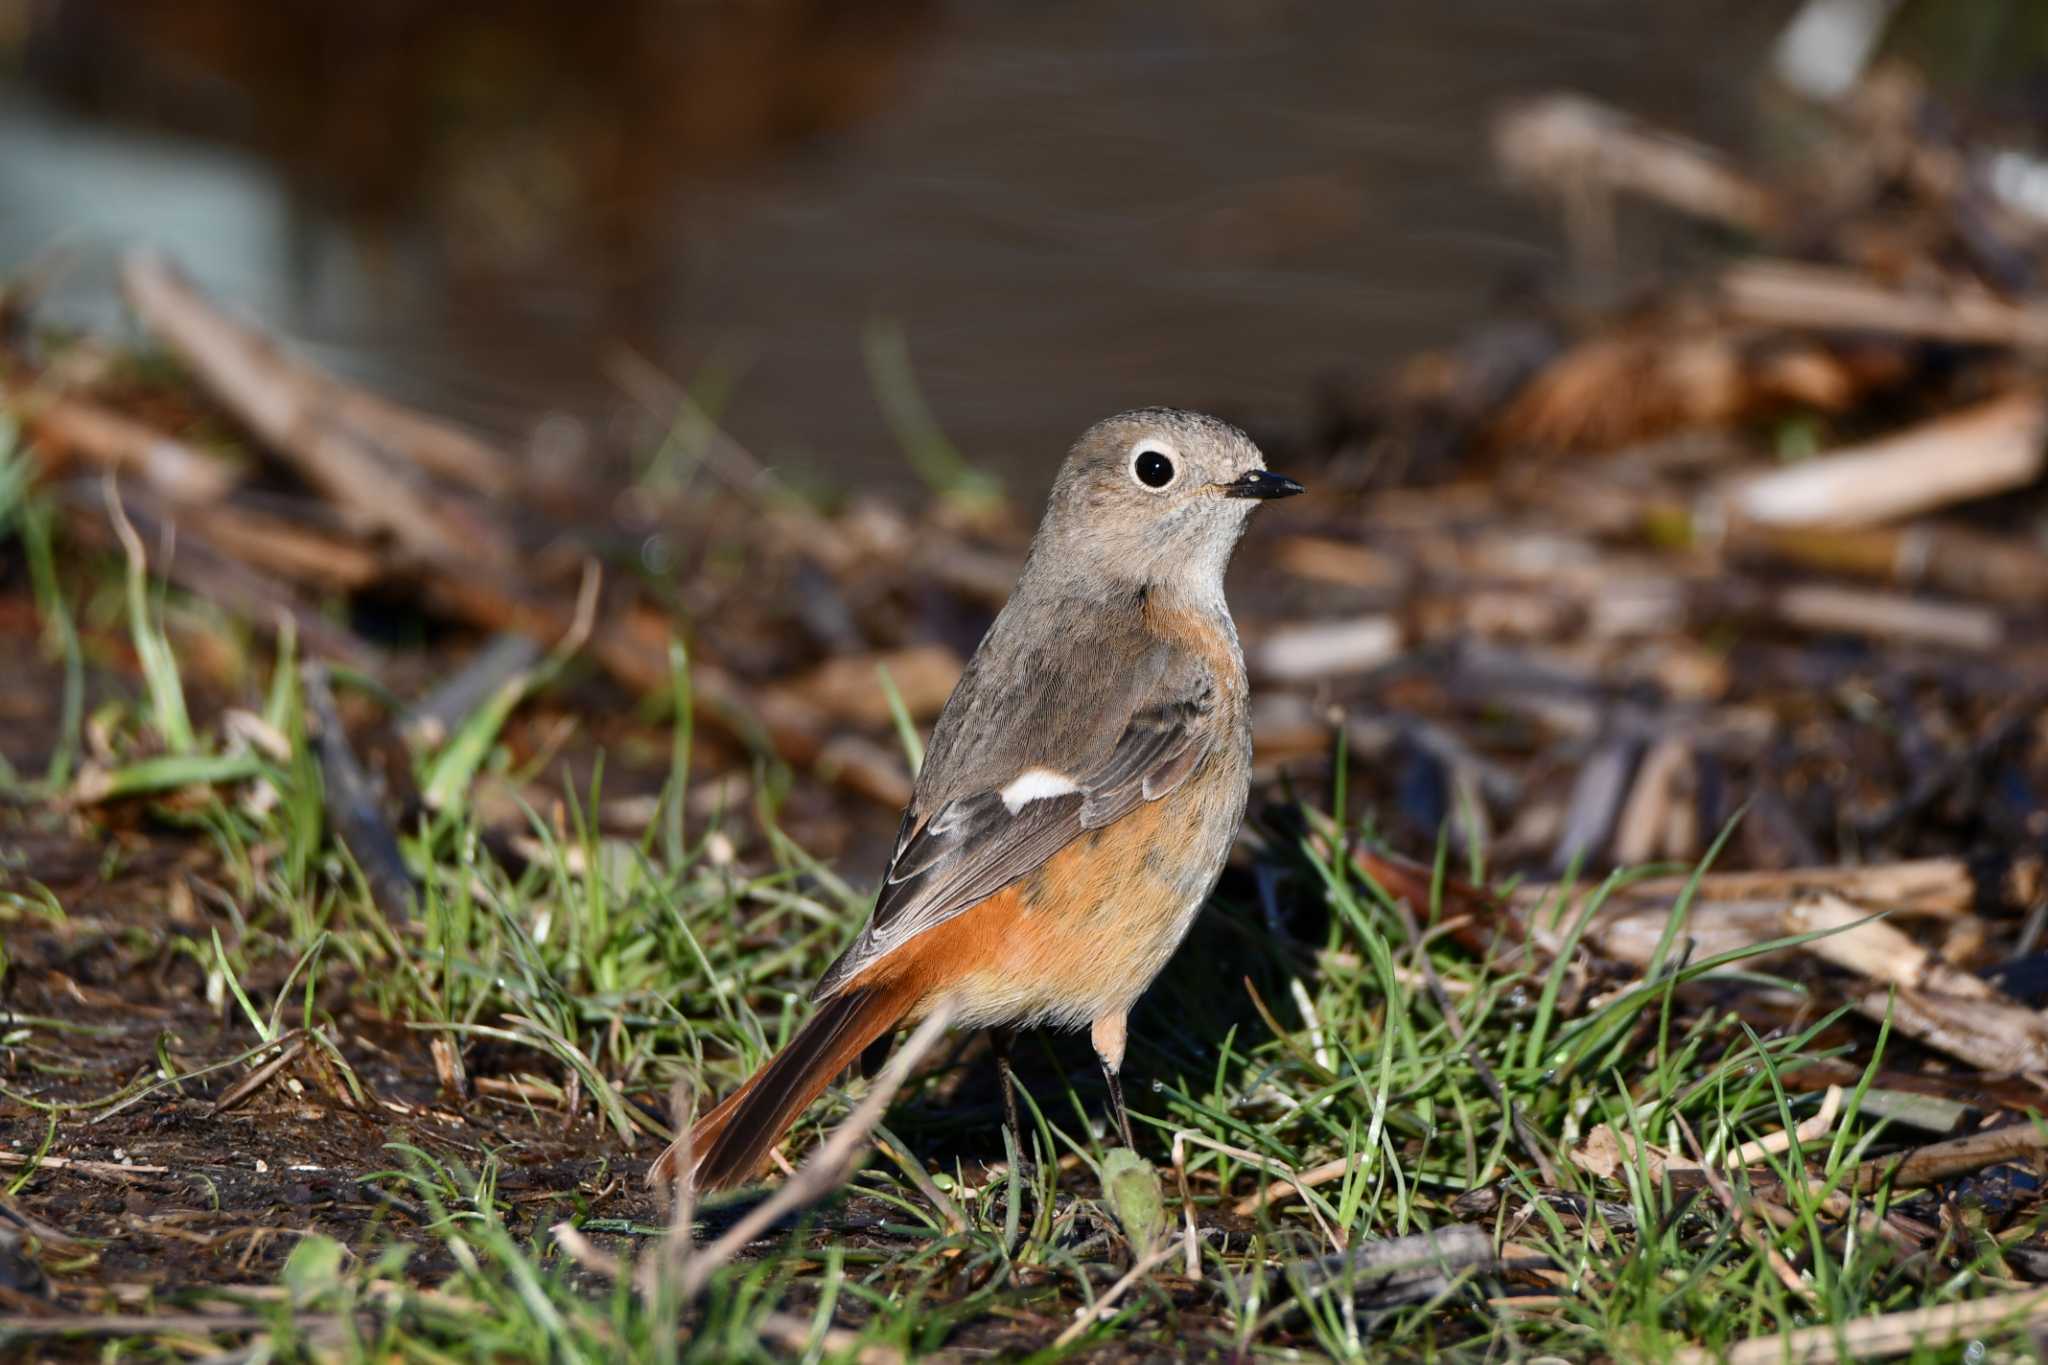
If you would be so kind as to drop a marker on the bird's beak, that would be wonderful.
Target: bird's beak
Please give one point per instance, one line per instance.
(1263, 484)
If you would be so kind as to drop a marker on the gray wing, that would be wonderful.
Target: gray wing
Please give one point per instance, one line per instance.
(1118, 728)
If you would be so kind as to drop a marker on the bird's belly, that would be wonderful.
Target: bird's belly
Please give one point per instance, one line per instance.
(1084, 935)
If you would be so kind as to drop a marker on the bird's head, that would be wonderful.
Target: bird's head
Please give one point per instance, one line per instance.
(1154, 496)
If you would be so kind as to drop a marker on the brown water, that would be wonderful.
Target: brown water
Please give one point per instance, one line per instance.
(1068, 208)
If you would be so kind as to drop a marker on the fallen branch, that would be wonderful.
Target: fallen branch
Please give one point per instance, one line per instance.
(1997, 1036)
(1940, 1160)
(208, 571)
(63, 427)
(64, 1163)
(1885, 1335)
(1942, 887)
(1090, 1314)
(1391, 1271)
(1990, 448)
(304, 415)
(1568, 142)
(1948, 559)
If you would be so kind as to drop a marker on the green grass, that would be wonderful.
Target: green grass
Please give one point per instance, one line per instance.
(1269, 1052)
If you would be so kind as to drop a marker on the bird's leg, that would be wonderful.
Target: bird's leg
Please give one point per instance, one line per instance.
(1108, 1036)
(1116, 1105)
(999, 1041)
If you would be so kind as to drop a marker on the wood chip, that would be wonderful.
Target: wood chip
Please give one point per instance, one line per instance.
(1326, 649)
(290, 549)
(849, 688)
(1992, 1035)
(1653, 802)
(1789, 294)
(1855, 940)
(1715, 928)
(1891, 616)
(1341, 562)
(861, 765)
(1885, 1335)
(108, 440)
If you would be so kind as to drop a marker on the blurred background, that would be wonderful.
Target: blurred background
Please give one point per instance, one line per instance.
(488, 208)
(1599, 276)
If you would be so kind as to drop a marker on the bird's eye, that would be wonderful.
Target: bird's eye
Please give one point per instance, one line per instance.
(1153, 467)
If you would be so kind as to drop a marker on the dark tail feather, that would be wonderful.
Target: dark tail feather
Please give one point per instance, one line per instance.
(729, 1144)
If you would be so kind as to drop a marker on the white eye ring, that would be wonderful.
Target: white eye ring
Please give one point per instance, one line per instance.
(1143, 471)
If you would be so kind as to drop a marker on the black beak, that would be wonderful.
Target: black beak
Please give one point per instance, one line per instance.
(1263, 484)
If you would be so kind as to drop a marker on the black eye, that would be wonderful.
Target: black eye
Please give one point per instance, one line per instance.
(1154, 469)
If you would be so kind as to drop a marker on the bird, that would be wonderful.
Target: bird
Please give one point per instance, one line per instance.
(1079, 795)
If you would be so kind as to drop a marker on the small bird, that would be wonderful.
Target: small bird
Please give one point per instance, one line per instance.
(1079, 796)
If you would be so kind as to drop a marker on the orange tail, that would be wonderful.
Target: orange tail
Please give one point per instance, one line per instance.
(729, 1144)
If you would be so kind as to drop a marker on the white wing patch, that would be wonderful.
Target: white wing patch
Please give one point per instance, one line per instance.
(1036, 784)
